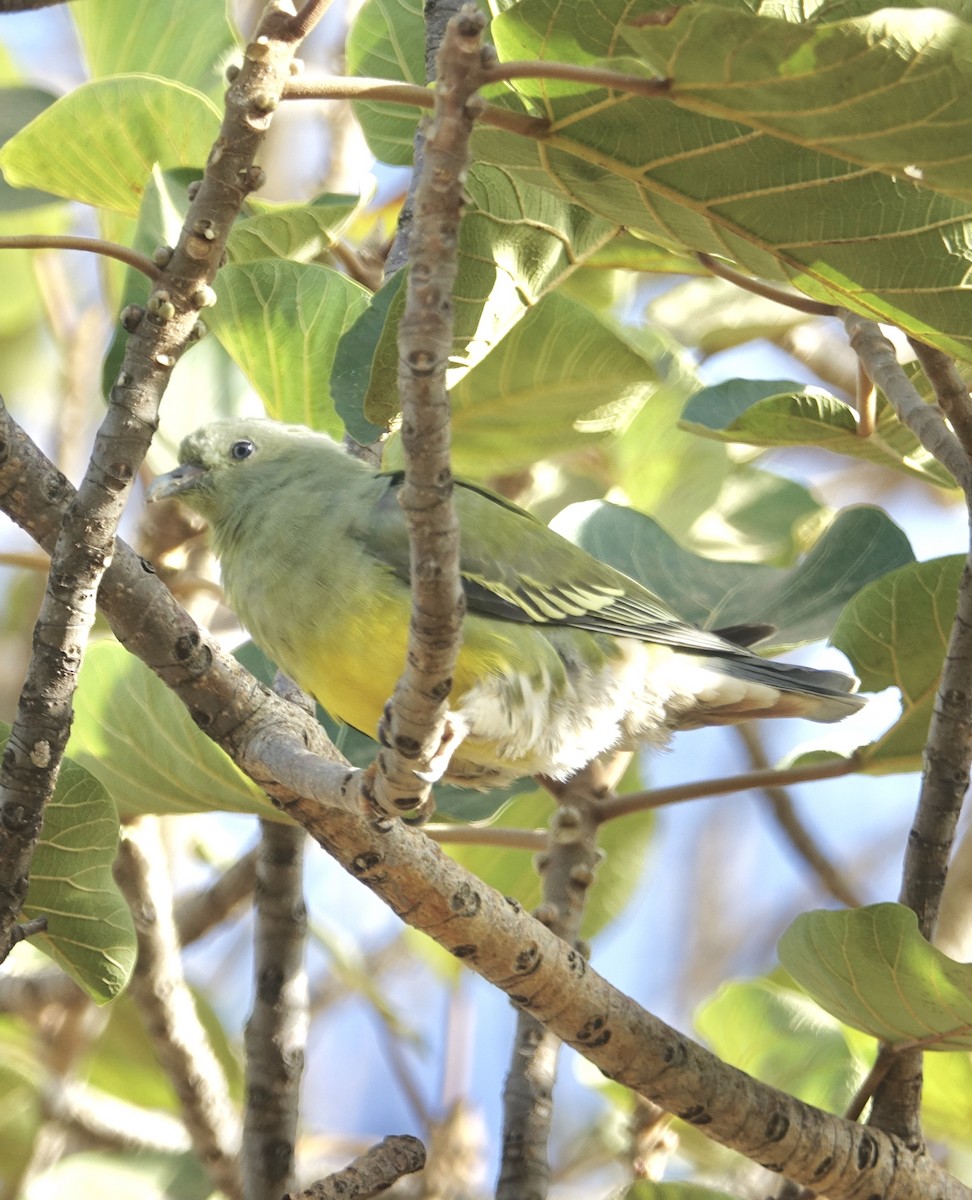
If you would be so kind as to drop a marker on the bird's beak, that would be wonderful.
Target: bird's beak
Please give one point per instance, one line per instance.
(174, 483)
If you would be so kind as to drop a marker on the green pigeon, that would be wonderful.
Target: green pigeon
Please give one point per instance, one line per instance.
(562, 657)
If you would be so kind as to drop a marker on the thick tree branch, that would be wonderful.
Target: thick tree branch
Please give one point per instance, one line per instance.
(416, 731)
(85, 543)
(289, 755)
(169, 1012)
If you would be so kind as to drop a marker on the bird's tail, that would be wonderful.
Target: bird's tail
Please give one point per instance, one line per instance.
(739, 687)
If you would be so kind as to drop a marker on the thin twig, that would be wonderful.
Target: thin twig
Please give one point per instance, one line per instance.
(291, 758)
(925, 422)
(635, 85)
(488, 835)
(374, 1172)
(800, 838)
(417, 733)
(768, 291)
(622, 806)
(346, 87)
(169, 1012)
(52, 241)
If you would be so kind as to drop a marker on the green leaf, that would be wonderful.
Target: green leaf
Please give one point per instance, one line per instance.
(301, 232)
(775, 1033)
(946, 1097)
(280, 322)
(777, 412)
(872, 969)
(802, 601)
(890, 89)
(515, 245)
(137, 738)
(99, 143)
(387, 40)
(691, 181)
(895, 633)
(355, 361)
(20, 299)
(18, 107)
(89, 928)
(560, 378)
(184, 40)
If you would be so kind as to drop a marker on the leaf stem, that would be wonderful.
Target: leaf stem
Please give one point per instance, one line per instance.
(768, 291)
(51, 241)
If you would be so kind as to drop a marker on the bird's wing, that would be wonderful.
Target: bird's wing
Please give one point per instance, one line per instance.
(516, 569)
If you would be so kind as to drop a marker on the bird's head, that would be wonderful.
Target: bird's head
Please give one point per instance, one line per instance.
(221, 463)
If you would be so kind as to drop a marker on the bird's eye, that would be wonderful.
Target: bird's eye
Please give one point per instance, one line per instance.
(241, 449)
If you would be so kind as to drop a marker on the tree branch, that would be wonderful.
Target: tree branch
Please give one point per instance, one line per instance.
(158, 338)
(767, 290)
(353, 87)
(169, 1012)
(925, 422)
(416, 733)
(370, 1174)
(289, 755)
(951, 390)
(567, 871)
(948, 750)
(51, 241)
(622, 806)
(276, 1032)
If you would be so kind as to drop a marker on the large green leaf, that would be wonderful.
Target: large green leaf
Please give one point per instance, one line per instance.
(387, 40)
(873, 970)
(515, 245)
(890, 89)
(802, 601)
(89, 928)
(888, 247)
(561, 377)
(146, 1175)
(100, 142)
(280, 322)
(895, 632)
(185, 40)
(777, 1034)
(301, 232)
(778, 412)
(18, 107)
(137, 738)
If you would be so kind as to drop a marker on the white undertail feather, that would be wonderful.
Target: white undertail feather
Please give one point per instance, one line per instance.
(640, 699)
